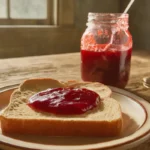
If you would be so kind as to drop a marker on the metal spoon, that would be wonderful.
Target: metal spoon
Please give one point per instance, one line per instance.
(146, 82)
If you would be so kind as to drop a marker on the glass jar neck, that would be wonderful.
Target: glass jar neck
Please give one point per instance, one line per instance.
(111, 19)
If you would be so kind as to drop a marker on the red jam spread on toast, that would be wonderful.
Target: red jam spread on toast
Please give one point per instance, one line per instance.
(64, 101)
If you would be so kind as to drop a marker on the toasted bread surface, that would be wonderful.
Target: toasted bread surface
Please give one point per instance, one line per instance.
(18, 117)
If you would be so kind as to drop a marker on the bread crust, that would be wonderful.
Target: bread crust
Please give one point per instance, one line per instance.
(60, 127)
(53, 127)
(31, 84)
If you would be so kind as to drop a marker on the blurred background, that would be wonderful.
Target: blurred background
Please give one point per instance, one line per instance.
(40, 27)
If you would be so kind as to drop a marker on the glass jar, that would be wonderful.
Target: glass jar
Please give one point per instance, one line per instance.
(106, 48)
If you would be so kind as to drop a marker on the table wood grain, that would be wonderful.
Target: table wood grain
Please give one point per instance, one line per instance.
(67, 67)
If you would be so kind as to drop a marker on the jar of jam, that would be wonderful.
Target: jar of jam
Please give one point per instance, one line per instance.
(106, 47)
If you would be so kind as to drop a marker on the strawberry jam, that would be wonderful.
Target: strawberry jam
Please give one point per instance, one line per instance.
(106, 48)
(108, 67)
(64, 101)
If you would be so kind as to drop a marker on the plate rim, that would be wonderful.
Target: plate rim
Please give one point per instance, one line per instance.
(124, 92)
(146, 114)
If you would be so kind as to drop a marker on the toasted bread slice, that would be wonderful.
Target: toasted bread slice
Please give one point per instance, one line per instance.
(101, 89)
(18, 117)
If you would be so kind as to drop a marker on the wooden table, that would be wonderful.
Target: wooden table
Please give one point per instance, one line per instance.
(66, 67)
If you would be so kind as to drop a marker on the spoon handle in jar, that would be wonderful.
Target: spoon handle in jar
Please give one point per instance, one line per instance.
(128, 7)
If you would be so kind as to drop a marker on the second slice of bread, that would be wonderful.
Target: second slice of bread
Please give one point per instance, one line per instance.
(18, 117)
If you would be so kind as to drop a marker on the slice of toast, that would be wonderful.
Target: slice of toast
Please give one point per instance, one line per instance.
(18, 117)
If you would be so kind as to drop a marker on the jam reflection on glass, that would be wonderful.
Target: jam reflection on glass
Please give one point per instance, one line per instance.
(111, 67)
(64, 101)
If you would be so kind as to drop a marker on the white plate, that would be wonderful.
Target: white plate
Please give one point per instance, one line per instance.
(136, 129)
